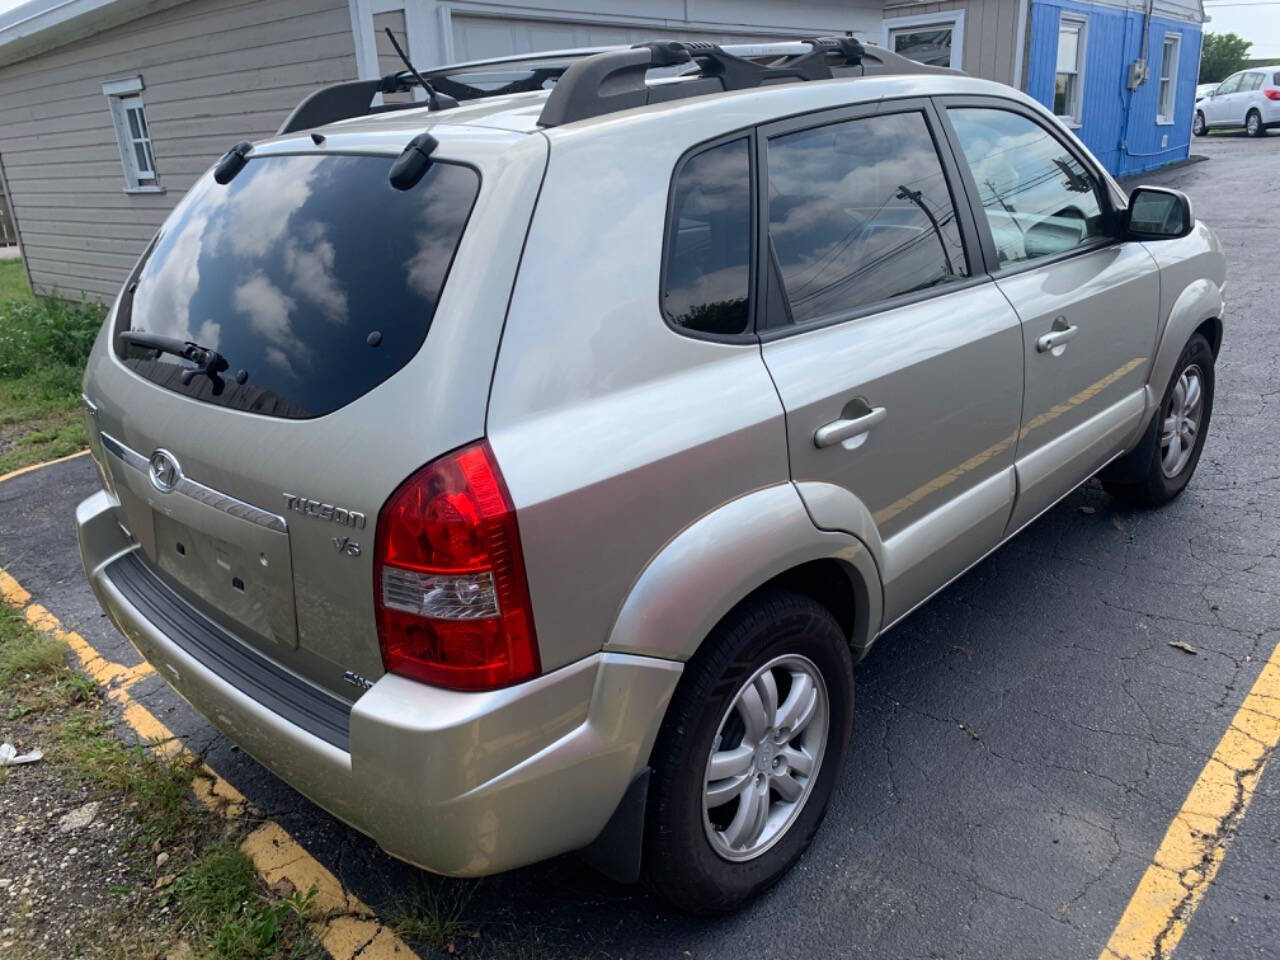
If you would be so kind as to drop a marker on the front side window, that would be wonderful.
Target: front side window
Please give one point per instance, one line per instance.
(1039, 199)
(707, 265)
(1168, 77)
(1068, 86)
(860, 212)
(1229, 85)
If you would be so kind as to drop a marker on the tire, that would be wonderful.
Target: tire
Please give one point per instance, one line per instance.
(1165, 475)
(689, 858)
(1198, 126)
(1253, 124)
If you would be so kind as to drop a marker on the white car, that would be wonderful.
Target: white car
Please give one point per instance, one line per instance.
(1248, 99)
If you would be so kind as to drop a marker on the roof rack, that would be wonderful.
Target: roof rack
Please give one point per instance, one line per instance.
(594, 82)
(339, 101)
(615, 80)
(354, 98)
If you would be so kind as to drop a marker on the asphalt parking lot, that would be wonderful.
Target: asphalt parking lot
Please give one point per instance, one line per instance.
(1022, 743)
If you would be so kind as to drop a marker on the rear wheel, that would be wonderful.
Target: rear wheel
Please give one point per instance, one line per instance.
(749, 753)
(1253, 124)
(1179, 429)
(1198, 125)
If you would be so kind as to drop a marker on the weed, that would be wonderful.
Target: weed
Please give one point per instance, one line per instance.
(432, 913)
(160, 786)
(222, 904)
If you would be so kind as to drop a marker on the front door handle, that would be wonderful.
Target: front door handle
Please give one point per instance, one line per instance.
(1057, 337)
(854, 429)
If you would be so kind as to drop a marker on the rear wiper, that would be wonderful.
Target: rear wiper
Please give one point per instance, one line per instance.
(208, 362)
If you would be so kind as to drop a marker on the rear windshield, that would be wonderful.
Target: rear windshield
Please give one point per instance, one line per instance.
(310, 275)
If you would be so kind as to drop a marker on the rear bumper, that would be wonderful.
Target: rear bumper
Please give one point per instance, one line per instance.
(463, 784)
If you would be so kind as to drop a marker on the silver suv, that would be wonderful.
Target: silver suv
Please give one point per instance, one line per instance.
(523, 470)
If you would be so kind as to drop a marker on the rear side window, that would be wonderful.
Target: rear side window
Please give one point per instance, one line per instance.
(707, 264)
(860, 212)
(1251, 81)
(310, 274)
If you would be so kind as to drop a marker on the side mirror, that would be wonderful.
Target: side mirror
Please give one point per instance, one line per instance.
(1158, 213)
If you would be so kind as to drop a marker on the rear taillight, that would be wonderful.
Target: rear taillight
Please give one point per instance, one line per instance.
(1271, 93)
(451, 594)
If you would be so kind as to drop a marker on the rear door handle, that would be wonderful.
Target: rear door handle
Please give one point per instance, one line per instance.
(855, 429)
(1056, 338)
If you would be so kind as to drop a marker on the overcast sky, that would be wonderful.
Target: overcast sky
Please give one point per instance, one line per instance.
(1258, 21)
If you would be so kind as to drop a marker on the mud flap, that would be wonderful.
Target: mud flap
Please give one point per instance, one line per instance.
(616, 852)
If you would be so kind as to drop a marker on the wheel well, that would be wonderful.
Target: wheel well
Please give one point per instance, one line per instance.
(824, 581)
(1211, 330)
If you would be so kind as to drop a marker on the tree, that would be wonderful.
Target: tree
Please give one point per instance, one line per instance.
(1222, 55)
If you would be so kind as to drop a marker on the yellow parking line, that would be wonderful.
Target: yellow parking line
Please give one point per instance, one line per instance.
(346, 926)
(38, 466)
(1193, 847)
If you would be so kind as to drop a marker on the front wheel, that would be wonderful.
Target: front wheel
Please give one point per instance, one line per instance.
(749, 753)
(1253, 124)
(1198, 126)
(1179, 429)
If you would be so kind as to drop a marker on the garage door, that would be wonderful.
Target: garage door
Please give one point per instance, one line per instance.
(478, 38)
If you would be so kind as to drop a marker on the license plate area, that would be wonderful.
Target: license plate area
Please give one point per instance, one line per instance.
(248, 583)
(231, 556)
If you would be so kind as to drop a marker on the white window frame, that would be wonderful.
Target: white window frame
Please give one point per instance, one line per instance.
(1167, 85)
(951, 19)
(125, 97)
(1074, 118)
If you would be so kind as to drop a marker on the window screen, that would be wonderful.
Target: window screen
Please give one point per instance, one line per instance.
(860, 212)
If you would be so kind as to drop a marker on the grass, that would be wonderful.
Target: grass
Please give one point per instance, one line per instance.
(432, 913)
(44, 344)
(161, 787)
(225, 913)
(13, 281)
(216, 905)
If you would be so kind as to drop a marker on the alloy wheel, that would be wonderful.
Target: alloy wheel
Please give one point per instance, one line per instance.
(1181, 424)
(765, 757)
(1253, 124)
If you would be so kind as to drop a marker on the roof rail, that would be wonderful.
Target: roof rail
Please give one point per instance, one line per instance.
(594, 82)
(615, 80)
(338, 101)
(354, 98)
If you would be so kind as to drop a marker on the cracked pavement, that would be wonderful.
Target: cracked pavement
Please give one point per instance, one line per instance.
(1021, 743)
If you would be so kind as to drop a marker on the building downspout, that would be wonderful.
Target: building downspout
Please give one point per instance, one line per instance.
(1019, 52)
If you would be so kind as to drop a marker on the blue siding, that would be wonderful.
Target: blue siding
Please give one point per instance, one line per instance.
(1118, 126)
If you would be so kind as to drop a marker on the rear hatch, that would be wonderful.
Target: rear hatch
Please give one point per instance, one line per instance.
(252, 484)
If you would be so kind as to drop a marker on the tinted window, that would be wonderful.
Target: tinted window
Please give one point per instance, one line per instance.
(860, 212)
(1038, 198)
(290, 269)
(708, 259)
